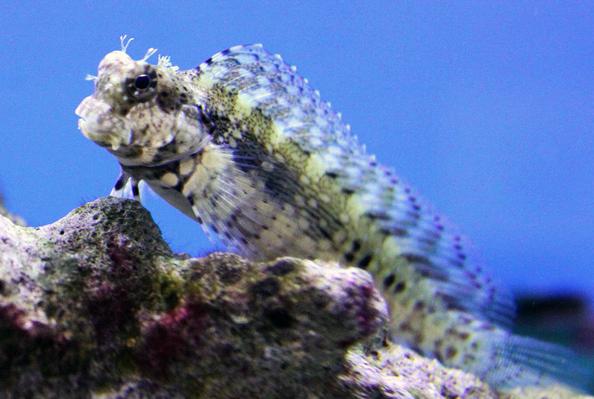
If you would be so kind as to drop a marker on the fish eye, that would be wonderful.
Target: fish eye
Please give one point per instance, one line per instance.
(142, 87)
(142, 82)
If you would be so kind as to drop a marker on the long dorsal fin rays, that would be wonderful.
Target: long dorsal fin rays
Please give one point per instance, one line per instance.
(463, 281)
(427, 235)
(264, 82)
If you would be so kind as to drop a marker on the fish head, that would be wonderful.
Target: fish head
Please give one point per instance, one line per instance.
(144, 114)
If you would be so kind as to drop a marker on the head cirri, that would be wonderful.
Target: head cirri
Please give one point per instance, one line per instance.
(141, 113)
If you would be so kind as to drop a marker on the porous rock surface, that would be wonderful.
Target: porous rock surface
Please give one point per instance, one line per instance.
(97, 305)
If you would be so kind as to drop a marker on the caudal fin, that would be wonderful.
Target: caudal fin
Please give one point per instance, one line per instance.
(523, 361)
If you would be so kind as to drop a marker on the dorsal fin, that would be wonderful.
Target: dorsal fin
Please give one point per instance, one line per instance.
(264, 82)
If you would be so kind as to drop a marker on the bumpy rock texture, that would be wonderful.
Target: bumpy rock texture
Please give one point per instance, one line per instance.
(97, 305)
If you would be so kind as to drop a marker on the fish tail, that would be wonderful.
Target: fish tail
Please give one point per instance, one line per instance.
(524, 361)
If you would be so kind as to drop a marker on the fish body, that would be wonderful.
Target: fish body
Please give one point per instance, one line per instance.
(243, 145)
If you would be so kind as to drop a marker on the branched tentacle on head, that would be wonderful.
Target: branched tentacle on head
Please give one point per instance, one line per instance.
(125, 42)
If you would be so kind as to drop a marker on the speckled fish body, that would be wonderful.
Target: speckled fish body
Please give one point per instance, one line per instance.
(245, 147)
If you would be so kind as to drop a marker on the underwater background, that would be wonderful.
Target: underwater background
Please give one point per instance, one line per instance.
(487, 109)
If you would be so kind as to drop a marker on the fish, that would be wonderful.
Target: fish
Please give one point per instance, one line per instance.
(243, 145)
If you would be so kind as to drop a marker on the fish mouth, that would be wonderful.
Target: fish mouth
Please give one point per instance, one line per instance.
(82, 107)
(88, 122)
(98, 123)
(83, 124)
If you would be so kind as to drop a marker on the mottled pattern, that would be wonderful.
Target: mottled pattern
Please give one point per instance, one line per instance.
(95, 305)
(243, 145)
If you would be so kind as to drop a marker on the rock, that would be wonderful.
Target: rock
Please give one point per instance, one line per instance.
(97, 305)
(13, 218)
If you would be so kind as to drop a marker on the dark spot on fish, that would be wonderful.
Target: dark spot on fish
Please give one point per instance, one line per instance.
(119, 184)
(394, 231)
(325, 233)
(414, 258)
(349, 257)
(389, 280)
(179, 186)
(399, 287)
(450, 352)
(377, 215)
(365, 261)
